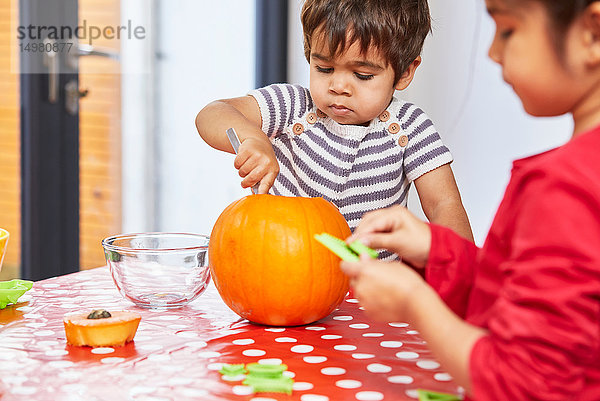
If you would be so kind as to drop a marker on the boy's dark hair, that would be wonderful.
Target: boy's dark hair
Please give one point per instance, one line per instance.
(396, 28)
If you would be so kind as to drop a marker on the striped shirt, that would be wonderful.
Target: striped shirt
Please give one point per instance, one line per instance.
(359, 169)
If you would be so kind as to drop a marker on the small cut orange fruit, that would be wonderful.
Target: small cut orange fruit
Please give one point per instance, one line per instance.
(101, 328)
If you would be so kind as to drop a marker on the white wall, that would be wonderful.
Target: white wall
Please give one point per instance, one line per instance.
(206, 53)
(477, 114)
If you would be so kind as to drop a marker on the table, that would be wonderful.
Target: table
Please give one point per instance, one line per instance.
(177, 353)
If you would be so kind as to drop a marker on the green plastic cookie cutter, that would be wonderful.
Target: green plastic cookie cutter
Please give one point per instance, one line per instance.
(265, 370)
(281, 384)
(11, 291)
(233, 369)
(347, 252)
(427, 395)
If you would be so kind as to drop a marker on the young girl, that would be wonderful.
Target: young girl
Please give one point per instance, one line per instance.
(518, 319)
(347, 139)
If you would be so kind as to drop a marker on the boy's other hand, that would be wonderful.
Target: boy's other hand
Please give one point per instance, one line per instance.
(256, 162)
(397, 230)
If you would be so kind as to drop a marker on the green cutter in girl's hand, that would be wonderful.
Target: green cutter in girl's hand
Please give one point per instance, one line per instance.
(11, 291)
(349, 253)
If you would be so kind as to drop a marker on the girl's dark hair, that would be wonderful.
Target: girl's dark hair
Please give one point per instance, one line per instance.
(396, 28)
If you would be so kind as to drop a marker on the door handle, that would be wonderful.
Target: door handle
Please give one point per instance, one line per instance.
(51, 61)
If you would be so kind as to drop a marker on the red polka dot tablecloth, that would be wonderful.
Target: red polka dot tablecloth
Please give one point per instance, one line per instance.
(176, 354)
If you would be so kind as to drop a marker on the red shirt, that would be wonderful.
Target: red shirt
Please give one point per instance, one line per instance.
(535, 284)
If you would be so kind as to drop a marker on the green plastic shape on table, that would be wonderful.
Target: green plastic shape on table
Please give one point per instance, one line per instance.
(347, 252)
(11, 291)
(263, 378)
(427, 395)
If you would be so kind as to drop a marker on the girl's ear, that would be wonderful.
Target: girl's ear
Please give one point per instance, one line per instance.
(408, 75)
(591, 25)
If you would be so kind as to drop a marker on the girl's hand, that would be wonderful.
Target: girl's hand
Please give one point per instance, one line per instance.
(397, 230)
(256, 162)
(389, 291)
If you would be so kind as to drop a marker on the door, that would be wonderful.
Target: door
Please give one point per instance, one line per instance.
(70, 133)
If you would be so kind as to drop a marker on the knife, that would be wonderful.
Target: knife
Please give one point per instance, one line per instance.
(235, 143)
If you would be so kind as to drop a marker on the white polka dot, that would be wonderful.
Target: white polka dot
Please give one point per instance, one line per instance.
(112, 359)
(35, 325)
(348, 383)
(141, 390)
(31, 316)
(186, 334)
(149, 347)
(270, 361)
(331, 371)
(196, 344)
(275, 329)
(331, 337)
(169, 317)
(397, 324)
(47, 343)
(359, 326)
(407, 355)
(214, 366)
(254, 352)
(352, 300)
(372, 334)
(57, 352)
(400, 379)
(14, 379)
(413, 332)
(314, 397)
(369, 396)
(343, 318)
(262, 399)
(23, 390)
(242, 390)
(302, 386)
(70, 375)
(288, 373)
(391, 344)
(442, 377)
(244, 341)
(180, 381)
(378, 368)
(25, 308)
(235, 378)
(428, 364)
(314, 359)
(159, 357)
(192, 392)
(362, 356)
(208, 354)
(315, 328)
(49, 285)
(43, 333)
(285, 340)
(344, 347)
(61, 364)
(361, 307)
(412, 393)
(302, 349)
(139, 337)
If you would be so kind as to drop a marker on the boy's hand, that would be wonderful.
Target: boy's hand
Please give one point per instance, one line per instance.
(256, 162)
(389, 291)
(397, 230)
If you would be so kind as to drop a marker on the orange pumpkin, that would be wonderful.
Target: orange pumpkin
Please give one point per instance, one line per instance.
(266, 264)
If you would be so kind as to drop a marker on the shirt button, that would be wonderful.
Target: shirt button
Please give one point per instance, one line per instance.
(321, 114)
(298, 128)
(394, 128)
(311, 118)
(384, 116)
(403, 140)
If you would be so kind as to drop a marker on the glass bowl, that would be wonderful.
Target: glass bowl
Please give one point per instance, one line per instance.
(158, 270)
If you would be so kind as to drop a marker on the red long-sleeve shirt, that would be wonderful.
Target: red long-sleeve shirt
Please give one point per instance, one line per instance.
(535, 283)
